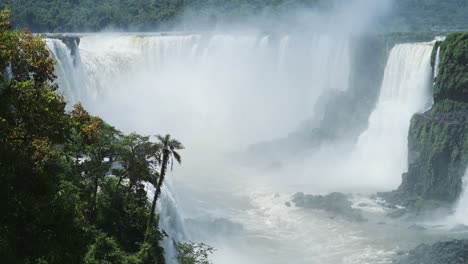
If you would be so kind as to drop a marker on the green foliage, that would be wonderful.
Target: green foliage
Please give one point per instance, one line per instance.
(193, 253)
(60, 202)
(104, 250)
(42, 216)
(167, 149)
(140, 15)
(452, 82)
(429, 15)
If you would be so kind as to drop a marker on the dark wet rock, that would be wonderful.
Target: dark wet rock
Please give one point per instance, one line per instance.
(449, 252)
(415, 206)
(459, 228)
(343, 114)
(416, 227)
(72, 43)
(363, 205)
(288, 204)
(336, 203)
(298, 196)
(397, 213)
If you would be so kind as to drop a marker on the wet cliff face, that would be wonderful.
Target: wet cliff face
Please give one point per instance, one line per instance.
(438, 139)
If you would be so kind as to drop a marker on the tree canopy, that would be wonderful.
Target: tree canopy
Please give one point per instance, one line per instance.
(72, 187)
(151, 15)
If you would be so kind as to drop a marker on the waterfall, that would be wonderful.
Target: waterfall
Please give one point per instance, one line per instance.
(244, 77)
(214, 92)
(461, 208)
(436, 64)
(67, 68)
(380, 155)
(170, 220)
(73, 83)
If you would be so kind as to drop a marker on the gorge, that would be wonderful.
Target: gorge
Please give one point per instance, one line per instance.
(244, 131)
(161, 67)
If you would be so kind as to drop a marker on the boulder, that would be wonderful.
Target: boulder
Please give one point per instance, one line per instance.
(336, 203)
(449, 252)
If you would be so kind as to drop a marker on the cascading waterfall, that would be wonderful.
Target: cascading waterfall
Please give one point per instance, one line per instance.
(72, 80)
(170, 220)
(68, 69)
(221, 92)
(437, 62)
(461, 208)
(143, 77)
(228, 73)
(381, 151)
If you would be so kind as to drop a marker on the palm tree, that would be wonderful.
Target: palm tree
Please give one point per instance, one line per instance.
(168, 152)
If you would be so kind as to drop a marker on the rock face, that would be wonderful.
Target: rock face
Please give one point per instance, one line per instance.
(72, 42)
(451, 252)
(338, 115)
(438, 138)
(336, 203)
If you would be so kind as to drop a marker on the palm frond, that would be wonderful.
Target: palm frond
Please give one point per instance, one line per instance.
(160, 138)
(175, 144)
(177, 156)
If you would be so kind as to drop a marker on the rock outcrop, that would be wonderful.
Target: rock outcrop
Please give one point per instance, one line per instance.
(450, 252)
(438, 138)
(335, 203)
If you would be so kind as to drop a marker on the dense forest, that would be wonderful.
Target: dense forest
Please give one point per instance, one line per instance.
(147, 15)
(72, 187)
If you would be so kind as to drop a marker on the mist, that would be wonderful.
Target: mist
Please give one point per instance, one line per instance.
(252, 81)
(220, 91)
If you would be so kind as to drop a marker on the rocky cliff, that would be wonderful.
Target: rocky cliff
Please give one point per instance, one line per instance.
(438, 138)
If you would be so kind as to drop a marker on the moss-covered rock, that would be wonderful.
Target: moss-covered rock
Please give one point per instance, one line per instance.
(438, 151)
(452, 82)
(438, 139)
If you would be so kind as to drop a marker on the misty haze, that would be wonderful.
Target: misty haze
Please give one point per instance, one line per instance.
(228, 132)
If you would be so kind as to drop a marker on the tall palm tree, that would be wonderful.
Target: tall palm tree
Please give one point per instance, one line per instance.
(168, 148)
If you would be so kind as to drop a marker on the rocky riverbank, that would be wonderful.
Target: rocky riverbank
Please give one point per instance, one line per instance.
(448, 252)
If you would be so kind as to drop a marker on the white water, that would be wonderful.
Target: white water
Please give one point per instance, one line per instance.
(461, 208)
(220, 92)
(379, 157)
(68, 69)
(246, 78)
(170, 220)
(215, 93)
(437, 62)
(381, 152)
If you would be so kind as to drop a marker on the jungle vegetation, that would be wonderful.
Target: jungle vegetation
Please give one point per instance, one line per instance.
(72, 187)
(150, 15)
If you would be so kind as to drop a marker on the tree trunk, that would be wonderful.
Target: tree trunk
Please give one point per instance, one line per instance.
(157, 192)
(93, 204)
